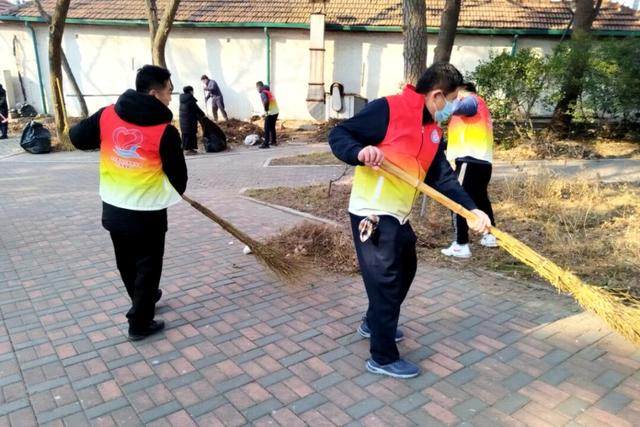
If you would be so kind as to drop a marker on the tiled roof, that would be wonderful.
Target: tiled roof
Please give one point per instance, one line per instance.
(4, 6)
(500, 14)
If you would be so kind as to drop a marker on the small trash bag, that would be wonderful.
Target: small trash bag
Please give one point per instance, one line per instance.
(252, 139)
(214, 139)
(36, 139)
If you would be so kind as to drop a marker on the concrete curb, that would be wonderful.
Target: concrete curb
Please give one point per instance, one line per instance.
(286, 209)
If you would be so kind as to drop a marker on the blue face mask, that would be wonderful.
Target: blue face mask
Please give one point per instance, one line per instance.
(444, 114)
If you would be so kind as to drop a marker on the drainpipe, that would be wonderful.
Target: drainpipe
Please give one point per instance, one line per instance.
(315, 93)
(514, 45)
(267, 41)
(35, 49)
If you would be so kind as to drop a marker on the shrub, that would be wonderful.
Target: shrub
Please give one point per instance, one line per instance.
(512, 85)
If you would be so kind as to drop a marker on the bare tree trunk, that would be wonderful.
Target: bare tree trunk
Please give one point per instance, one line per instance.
(447, 33)
(414, 26)
(586, 12)
(84, 111)
(56, 30)
(162, 33)
(152, 12)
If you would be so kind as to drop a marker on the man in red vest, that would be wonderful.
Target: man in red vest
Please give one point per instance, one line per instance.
(404, 130)
(142, 173)
(271, 112)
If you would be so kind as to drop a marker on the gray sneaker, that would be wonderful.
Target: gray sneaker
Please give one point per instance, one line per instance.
(365, 332)
(399, 369)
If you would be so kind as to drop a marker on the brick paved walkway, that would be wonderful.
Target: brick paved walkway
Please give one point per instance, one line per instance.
(242, 348)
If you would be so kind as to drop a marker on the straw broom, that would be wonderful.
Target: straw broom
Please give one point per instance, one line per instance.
(288, 270)
(619, 309)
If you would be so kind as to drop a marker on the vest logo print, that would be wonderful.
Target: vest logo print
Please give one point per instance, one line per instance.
(126, 142)
(435, 137)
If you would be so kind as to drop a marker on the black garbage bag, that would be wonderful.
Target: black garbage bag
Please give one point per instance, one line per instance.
(214, 139)
(36, 139)
(27, 110)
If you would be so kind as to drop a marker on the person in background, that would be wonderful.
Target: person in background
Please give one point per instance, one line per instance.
(271, 114)
(212, 90)
(470, 145)
(190, 113)
(142, 173)
(402, 129)
(4, 114)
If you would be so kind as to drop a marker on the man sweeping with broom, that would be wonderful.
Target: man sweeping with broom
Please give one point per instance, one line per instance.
(402, 129)
(142, 173)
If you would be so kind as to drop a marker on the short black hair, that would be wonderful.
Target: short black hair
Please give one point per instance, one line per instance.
(151, 77)
(259, 83)
(187, 89)
(470, 87)
(204, 77)
(440, 75)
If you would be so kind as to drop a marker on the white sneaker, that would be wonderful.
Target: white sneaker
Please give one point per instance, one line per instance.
(458, 251)
(489, 241)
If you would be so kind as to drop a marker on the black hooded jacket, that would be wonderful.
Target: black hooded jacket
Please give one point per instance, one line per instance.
(4, 109)
(140, 110)
(190, 113)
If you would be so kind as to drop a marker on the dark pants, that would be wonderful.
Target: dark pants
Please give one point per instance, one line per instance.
(139, 260)
(270, 129)
(217, 103)
(474, 178)
(189, 141)
(388, 265)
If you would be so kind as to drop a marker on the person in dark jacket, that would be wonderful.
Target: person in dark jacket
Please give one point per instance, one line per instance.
(142, 173)
(190, 113)
(402, 129)
(212, 90)
(4, 114)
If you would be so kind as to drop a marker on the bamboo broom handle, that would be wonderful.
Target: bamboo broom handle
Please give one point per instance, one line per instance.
(394, 170)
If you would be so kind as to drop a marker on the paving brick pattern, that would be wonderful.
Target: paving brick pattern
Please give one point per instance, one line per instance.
(243, 349)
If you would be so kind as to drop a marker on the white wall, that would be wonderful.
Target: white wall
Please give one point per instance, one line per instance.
(105, 59)
(24, 63)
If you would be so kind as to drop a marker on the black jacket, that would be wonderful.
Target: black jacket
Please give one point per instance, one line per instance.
(190, 113)
(141, 110)
(369, 127)
(4, 109)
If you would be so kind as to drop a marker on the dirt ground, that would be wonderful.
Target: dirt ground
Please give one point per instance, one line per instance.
(586, 227)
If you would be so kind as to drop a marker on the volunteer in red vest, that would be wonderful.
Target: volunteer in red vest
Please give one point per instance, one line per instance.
(470, 145)
(271, 112)
(142, 173)
(404, 130)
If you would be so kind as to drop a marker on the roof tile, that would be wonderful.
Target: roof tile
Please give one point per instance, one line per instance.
(526, 14)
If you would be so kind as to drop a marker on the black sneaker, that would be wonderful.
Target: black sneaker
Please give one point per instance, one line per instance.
(139, 334)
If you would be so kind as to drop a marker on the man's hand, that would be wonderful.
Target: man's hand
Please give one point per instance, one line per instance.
(482, 224)
(371, 156)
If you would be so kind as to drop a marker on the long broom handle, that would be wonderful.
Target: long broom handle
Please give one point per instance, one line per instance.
(396, 171)
(620, 310)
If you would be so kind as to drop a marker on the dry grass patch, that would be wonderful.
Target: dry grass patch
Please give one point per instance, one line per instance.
(323, 158)
(584, 226)
(570, 149)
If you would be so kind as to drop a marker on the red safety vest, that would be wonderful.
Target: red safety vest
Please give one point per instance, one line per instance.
(408, 144)
(131, 175)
